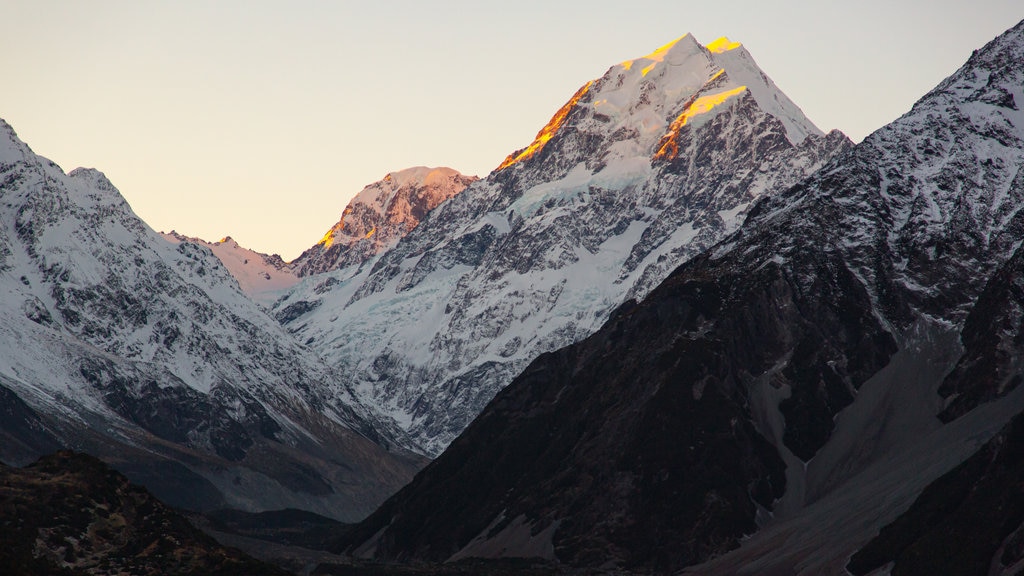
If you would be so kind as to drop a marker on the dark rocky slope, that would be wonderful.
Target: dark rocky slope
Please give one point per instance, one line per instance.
(70, 514)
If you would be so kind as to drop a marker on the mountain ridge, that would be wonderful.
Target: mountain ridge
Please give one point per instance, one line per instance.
(774, 402)
(538, 254)
(147, 354)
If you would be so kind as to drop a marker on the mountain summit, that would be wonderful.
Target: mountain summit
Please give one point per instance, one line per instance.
(653, 97)
(377, 217)
(640, 170)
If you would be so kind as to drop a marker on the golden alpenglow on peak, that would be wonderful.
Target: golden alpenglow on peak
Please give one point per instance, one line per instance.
(668, 148)
(548, 131)
(659, 54)
(723, 44)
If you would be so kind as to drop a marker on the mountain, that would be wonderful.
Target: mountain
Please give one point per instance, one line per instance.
(786, 394)
(71, 514)
(260, 276)
(381, 214)
(123, 345)
(640, 170)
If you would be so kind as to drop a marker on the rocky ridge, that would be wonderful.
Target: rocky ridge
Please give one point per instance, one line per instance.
(262, 277)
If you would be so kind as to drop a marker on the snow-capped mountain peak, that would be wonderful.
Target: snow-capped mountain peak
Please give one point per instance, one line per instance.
(723, 44)
(146, 353)
(734, 58)
(639, 106)
(540, 252)
(674, 53)
(379, 215)
(11, 148)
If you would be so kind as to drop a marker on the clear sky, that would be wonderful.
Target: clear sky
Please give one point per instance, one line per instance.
(260, 119)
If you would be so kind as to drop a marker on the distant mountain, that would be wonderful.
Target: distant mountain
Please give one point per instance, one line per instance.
(789, 392)
(70, 514)
(640, 170)
(380, 215)
(146, 353)
(260, 276)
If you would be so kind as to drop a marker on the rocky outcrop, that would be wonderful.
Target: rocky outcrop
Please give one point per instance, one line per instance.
(969, 521)
(380, 215)
(260, 276)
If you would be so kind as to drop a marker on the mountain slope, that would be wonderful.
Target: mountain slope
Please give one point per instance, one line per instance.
(146, 353)
(639, 171)
(773, 403)
(971, 519)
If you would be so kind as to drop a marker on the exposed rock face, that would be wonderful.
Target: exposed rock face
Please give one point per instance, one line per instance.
(971, 520)
(70, 514)
(639, 171)
(993, 337)
(146, 353)
(772, 404)
(380, 215)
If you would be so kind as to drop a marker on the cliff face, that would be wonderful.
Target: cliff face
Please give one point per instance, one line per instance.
(379, 216)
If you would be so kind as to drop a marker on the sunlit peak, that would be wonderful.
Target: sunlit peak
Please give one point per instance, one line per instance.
(659, 54)
(651, 60)
(723, 44)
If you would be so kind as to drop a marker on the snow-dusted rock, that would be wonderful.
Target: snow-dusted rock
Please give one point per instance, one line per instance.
(260, 276)
(146, 353)
(379, 216)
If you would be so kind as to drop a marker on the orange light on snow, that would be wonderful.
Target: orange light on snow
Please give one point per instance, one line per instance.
(548, 131)
(668, 147)
(723, 44)
(328, 239)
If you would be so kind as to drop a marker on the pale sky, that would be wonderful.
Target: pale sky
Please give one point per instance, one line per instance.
(261, 119)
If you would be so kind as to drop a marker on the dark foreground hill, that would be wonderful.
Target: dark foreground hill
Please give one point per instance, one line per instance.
(70, 514)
